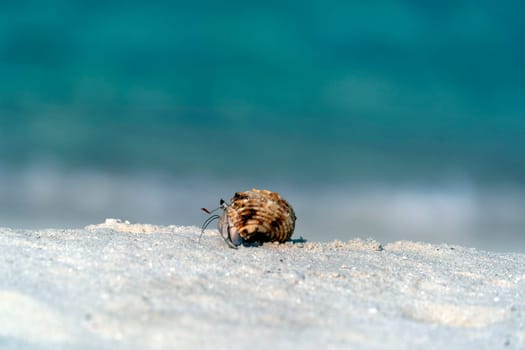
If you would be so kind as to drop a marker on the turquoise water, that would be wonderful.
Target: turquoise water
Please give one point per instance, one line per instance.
(314, 97)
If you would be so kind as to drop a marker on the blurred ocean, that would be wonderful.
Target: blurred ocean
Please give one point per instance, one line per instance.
(391, 119)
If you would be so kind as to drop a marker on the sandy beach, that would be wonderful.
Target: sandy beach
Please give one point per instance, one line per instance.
(118, 285)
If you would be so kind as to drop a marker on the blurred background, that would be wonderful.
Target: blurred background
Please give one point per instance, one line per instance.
(386, 119)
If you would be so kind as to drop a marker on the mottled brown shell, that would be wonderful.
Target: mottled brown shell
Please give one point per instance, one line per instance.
(257, 216)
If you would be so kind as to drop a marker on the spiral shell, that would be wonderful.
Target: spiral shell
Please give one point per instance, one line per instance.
(257, 216)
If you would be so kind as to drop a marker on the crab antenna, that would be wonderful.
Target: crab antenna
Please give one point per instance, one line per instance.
(206, 223)
(222, 205)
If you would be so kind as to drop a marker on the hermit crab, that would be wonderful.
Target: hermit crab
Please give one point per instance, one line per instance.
(254, 216)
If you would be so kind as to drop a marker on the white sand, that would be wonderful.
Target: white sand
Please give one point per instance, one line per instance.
(123, 286)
